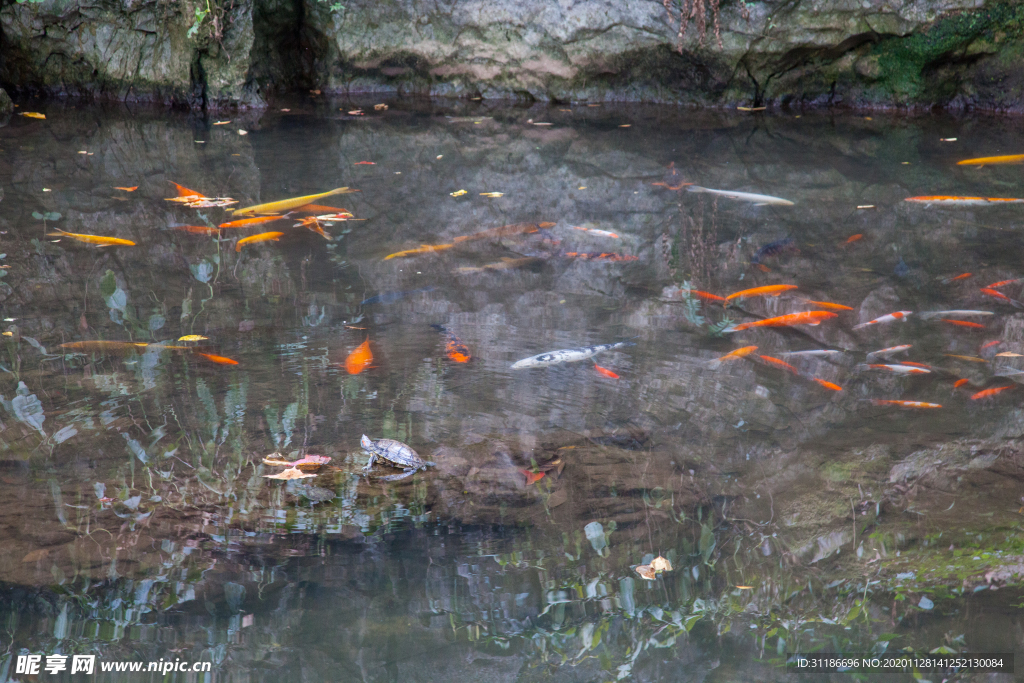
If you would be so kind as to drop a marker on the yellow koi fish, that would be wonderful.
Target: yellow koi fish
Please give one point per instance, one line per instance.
(424, 249)
(98, 240)
(285, 204)
(262, 237)
(981, 161)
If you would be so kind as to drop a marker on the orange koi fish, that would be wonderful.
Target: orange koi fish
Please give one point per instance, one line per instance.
(318, 208)
(359, 359)
(1002, 283)
(739, 353)
(219, 360)
(706, 296)
(505, 231)
(964, 323)
(532, 477)
(605, 371)
(454, 347)
(965, 201)
(898, 315)
(982, 161)
(423, 249)
(805, 318)
(127, 189)
(961, 276)
(827, 385)
(780, 364)
(904, 404)
(184, 191)
(901, 369)
(989, 393)
(197, 229)
(249, 222)
(602, 256)
(989, 345)
(828, 305)
(262, 237)
(1002, 297)
(769, 290)
(98, 240)
(854, 238)
(960, 382)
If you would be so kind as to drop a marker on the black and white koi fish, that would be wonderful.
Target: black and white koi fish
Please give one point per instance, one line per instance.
(566, 355)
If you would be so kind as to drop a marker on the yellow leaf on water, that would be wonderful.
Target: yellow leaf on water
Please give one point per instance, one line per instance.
(660, 564)
(492, 194)
(292, 473)
(193, 337)
(458, 193)
(33, 115)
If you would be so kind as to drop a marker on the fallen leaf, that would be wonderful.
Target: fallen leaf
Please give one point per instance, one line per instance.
(36, 555)
(193, 337)
(751, 108)
(645, 571)
(660, 564)
(291, 473)
(380, 107)
(221, 123)
(127, 189)
(309, 461)
(33, 115)
(492, 194)
(458, 193)
(532, 477)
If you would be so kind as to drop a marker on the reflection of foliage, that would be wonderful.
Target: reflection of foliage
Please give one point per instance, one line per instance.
(691, 312)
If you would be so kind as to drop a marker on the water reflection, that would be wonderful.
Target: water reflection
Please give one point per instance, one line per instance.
(138, 515)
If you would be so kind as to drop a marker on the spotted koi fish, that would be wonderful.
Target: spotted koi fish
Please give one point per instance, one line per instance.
(901, 369)
(965, 201)
(566, 355)
(892, 317)
(903, 404)
(454, 347)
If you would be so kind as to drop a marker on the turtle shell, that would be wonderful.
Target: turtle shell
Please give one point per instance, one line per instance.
(396, 453)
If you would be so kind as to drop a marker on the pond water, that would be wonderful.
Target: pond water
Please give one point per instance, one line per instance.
(138, 521)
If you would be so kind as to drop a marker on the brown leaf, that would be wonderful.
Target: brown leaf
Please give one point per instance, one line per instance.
(35, 555)
(645, 571)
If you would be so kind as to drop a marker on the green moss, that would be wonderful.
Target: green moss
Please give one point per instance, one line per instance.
(903, 60)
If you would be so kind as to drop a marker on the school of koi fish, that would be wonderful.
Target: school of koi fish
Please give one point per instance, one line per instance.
(315, 217)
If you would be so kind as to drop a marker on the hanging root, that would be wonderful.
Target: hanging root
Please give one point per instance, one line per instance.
(696, 11)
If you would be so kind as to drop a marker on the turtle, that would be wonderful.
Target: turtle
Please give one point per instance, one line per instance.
(394, 453)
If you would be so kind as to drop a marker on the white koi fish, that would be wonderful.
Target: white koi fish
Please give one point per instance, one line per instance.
(756, 199)
(891, 351)
(892, 317)
(927, 315)
(898, 369)
(595, 231)
(811, 353)
(566, 355)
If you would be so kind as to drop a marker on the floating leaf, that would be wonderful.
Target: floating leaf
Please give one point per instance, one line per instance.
(660, 564)
(645, 571)
(310, 461)
(193, 337)
(291, 473)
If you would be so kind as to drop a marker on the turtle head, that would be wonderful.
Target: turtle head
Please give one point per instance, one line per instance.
(366, 443)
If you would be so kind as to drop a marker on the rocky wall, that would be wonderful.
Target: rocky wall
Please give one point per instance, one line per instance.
(958, 54)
